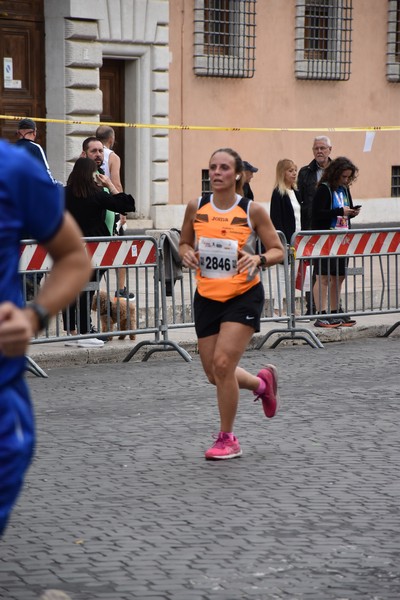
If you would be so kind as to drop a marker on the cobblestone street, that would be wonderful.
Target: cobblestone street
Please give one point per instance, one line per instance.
(120, 503)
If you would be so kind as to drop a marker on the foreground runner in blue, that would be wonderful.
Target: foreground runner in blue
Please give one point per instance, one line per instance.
(31, 206)
(219, 240)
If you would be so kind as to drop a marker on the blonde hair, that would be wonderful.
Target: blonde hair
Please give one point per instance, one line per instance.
(281, 168)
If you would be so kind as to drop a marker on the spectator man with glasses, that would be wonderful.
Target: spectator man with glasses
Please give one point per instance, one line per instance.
(307, 182)
(310, 175)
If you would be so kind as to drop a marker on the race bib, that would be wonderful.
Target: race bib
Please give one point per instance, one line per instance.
(218, 258)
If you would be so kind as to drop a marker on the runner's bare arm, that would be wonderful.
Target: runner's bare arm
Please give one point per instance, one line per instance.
(71, 268)
(114, 164)
(70, 271)
(274, 251)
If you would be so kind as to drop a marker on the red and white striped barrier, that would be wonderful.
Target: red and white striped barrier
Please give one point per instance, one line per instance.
(122, 253)
(114, 253)
(347, 244)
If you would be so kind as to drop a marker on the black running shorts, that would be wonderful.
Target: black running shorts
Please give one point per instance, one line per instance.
(246, 309)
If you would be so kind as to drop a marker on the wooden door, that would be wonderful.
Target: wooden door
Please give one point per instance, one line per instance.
(112, 84)
(22, 64)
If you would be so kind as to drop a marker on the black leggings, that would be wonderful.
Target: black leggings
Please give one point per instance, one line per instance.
(78, 313)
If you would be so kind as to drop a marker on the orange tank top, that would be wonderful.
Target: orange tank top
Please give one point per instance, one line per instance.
(220, 235)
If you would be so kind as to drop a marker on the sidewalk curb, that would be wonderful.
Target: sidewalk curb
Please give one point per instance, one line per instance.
(56, 355)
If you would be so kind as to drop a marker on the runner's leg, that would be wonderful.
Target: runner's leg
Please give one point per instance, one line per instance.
(220, 355)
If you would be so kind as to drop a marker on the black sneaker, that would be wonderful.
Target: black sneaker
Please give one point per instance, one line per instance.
(346, 321)
(328, 322)
(102, 338)
(124, 294)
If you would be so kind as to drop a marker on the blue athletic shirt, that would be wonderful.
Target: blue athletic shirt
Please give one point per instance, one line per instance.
(31, 206)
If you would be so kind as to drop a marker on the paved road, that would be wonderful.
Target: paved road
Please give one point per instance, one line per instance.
(121, 505)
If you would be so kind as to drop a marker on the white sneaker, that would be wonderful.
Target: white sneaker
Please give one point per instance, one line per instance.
(54, 595)
(86, 343)
(90, 343)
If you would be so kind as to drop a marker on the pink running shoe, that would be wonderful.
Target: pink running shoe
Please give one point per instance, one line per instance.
(270, 398)
(224, 447)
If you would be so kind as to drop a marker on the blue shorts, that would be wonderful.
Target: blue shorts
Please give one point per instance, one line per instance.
(17, 436)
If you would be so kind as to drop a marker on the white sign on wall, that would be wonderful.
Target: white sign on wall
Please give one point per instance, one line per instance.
(8, 69)
(8, 75)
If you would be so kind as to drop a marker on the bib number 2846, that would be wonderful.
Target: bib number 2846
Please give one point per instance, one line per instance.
(218, 258)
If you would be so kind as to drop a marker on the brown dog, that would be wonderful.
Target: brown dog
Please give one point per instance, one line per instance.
(112, 309)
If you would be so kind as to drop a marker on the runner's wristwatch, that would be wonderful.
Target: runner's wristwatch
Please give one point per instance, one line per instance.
(42, 314)
(263, 262)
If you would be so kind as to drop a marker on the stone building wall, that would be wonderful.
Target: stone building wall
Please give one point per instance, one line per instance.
(79, 35)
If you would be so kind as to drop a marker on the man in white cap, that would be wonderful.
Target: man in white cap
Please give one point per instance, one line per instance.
(248, 172)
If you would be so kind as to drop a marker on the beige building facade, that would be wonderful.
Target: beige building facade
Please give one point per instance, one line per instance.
(262, 76)
(317, 65)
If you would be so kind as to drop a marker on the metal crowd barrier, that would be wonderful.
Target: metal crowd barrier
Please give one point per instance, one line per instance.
(139, 258)
(371, 278)
(370, 282)
(164, 290)
(370, 285)
(281, 297)
(178, 287)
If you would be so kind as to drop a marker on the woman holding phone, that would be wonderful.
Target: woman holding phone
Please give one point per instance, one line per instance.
(87, 201)
(332, 208)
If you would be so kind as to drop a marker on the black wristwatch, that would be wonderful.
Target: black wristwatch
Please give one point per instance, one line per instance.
(42, 314)
(263, 262)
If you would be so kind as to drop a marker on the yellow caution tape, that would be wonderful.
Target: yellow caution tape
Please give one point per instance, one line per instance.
(203, 127)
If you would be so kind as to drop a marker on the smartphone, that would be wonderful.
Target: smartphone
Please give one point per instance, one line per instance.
(357, 206)
(96, 177)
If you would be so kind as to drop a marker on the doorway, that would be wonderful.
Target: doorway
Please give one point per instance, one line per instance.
(112, 85)
(22, 63)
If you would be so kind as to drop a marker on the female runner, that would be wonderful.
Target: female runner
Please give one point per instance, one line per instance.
(218, 239)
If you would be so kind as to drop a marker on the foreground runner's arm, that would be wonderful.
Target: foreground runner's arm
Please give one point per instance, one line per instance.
(70, 271)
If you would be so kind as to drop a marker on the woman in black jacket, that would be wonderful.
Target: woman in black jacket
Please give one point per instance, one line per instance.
(285, 215)
(88, 196)
(332, 208)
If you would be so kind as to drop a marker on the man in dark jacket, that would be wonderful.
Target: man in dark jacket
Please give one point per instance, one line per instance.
(26, 134)
(248, 172)
(307, 182)
(310, 175)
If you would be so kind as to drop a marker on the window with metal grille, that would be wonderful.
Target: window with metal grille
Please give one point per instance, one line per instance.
(205, 181)
(393, 41)
(224, 38)
(323, 39)
(397, 50)
(395, 182)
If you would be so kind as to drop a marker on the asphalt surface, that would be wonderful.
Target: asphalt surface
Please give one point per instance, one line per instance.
(120, 504)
